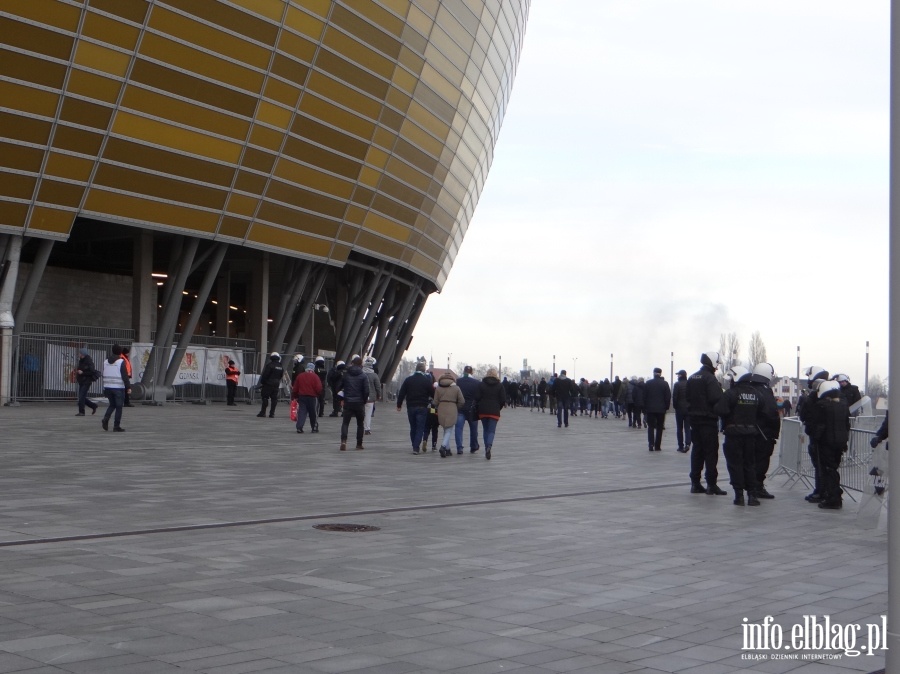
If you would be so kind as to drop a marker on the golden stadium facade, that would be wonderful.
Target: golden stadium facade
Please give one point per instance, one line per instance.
(333, 150)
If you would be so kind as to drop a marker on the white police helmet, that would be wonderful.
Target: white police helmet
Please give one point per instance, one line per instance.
(711, 358)
(814, 372)
(763, 372)
(738, 373)
(827, 387)
(369, 361)
(840, 378)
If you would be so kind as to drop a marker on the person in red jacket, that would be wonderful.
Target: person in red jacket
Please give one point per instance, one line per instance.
(126, 356)
(306, 389)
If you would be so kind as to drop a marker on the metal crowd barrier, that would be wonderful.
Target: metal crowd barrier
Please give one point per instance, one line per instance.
(794, 462)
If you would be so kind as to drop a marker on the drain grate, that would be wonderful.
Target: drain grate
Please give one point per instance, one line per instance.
(353, 528)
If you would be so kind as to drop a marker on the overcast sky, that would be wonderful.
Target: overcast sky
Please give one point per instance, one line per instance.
(671, 171)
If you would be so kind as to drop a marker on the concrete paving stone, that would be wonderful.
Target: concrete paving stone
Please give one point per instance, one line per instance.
(11, 662)
(36, 642)
(113, 663)
(540, 572)
(444, 659)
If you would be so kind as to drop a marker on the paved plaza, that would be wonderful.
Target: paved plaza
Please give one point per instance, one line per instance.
(187, 544)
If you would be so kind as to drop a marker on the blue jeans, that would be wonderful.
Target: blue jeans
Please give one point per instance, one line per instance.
(461, 420)
(306, 407)
(82, 397)
(417, 417)
(488, 427)
(682, 430)
(562, 413)
(116, 397)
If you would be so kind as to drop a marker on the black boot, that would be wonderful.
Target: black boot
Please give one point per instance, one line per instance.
(739, 497)
(752, 499)
(713, 490)
(697, 488)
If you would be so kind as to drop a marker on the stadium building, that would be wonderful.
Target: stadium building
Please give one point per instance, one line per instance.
(242, 176)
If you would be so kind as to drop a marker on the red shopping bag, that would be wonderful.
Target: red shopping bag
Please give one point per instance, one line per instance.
(294, 405)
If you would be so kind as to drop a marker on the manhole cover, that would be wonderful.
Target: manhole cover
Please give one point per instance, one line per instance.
(354, 528)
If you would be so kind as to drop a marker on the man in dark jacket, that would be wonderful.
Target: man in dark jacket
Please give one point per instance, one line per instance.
(469, 387)
(616, 386)
(270, 383)
(85, 374)
(416, 390)
(679, 402)
(703, 394)
(657, 397)
(353, 388)
(563, 389)
(637, 399)
(849, 392)
(542, 393)
(604, 393)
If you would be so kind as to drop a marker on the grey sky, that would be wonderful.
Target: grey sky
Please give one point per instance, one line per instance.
(670, 171)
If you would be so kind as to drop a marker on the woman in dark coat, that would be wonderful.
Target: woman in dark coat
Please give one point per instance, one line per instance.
(489, 400)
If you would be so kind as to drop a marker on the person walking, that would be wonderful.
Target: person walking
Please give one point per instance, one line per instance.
(270, 384)
(374, 391)
(637, 396)
(469, 387)
(416, 391)
(679, 402)
(703, 394)
(306, 389)
(116, 383)
(657, 398)
(449, 401)
(85, 375)
(563, 390)
(489, 400)
(232, 375)
(354, 389)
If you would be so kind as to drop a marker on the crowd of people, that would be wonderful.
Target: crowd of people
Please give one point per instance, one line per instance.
(745, 411)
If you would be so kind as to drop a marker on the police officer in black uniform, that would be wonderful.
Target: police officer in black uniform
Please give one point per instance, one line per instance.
(703, 394)
(769, 424)
(270, 383)
(832, 441)
(811, 416)
(740, 408)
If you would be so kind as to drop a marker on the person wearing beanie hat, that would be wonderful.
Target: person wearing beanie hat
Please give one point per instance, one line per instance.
(270, 383)
(354, 389)
(85, 375)
(489, 400)
(231, 381)
(679, 402)
(306, 389)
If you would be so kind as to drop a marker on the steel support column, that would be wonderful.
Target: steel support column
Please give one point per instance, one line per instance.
(7, 321)
(405, 332)
(364, 332)
(299, 325)
(289, 301)
(31, 285)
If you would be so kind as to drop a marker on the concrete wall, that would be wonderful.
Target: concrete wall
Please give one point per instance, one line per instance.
(72, 297)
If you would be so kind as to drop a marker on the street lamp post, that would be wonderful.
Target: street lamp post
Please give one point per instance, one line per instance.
(866, 383)
(554, 364)
(449, 356)
(574, 363)
(610, 367)
(671, 367)
(500, 366)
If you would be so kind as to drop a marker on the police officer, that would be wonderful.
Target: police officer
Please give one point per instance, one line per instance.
(769, 424)
(740, 408)
(832, 441)
(270, 383)
(811, 417)
(849, 392)
(334, 383)
(703, 394)
(322, 372)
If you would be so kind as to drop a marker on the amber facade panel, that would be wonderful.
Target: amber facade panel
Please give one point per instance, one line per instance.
(272, 123)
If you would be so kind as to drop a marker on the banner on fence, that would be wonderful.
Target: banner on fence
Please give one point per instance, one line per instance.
(60, 365)
(199, 364)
